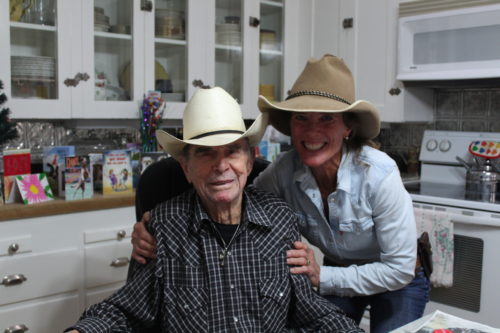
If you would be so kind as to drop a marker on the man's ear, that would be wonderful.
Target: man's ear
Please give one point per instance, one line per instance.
(183, 162)
(251, 160)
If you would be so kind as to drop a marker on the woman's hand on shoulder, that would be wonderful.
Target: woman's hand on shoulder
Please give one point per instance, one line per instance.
(144, 244)
(303, 261)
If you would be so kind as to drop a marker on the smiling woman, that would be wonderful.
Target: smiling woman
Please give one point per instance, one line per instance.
(349, 198)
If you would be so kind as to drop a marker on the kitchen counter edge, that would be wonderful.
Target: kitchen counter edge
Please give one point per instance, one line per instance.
(15, 211)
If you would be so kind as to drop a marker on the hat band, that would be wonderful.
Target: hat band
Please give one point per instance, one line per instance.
(216, 132)
(317, 93)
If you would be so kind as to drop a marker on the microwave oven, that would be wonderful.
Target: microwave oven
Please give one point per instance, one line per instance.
(450, 44)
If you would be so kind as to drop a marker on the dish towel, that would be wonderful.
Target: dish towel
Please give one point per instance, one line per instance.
(440, 229)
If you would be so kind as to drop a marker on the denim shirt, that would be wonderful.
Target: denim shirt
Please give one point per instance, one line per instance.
(370, 230)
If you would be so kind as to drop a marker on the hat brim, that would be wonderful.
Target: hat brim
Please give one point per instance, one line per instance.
(174, 146)
(279, 112)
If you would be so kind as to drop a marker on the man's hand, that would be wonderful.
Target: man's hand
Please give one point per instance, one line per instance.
(144, 244)
(303, 258)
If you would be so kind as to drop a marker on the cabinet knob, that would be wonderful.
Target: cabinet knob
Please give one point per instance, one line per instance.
(394, 91)
(119, 262)
(200, 84)
(10, 280)
(13, 248)
(76, 80)
(348, 22)
(253, 22)
(121, 234)
(146, 5)
(16, 329)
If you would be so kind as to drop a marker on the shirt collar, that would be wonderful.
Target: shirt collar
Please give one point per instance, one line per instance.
(251, 213)
(304, 176)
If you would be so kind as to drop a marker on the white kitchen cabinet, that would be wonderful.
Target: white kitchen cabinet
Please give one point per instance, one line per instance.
(364, 34)
(61, 264)
(44, 50)
(67, 67)
(222, 48)
(44, 315)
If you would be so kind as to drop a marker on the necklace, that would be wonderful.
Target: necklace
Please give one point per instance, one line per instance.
(224, 253)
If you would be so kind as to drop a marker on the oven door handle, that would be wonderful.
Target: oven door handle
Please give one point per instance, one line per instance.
(475, 220)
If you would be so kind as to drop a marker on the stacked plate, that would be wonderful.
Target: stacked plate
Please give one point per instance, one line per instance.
(33, 67)
(101, 21)
(169, 23)
(268, 40)
(228, 34)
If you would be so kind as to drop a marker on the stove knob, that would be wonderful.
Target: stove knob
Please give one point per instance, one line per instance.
(445, 145)
(431, 145)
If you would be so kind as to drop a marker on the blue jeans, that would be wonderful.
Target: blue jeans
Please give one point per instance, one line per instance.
(391, 309)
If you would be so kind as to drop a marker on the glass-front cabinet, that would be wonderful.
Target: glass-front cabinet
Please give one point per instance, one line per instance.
(271, 50)
(33, 58)
(170, 49)
(96, 59)
(113, 58)
(229, 47)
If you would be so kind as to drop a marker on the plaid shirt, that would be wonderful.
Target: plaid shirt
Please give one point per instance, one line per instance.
(186, 289)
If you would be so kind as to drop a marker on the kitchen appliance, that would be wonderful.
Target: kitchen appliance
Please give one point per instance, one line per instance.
(447, 40)
(441, 187)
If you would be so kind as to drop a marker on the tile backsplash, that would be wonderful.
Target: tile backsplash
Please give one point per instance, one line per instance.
(455, 109)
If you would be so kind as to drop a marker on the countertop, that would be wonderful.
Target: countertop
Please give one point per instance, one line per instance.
(60, 206)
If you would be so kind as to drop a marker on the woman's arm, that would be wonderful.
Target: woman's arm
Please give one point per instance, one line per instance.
(394, 227)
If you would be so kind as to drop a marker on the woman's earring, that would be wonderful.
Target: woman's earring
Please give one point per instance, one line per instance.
(346, 138)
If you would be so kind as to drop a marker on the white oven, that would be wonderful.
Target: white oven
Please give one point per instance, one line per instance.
(441, 187)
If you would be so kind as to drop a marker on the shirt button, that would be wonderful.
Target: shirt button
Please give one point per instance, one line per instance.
(231, 286)
(235, 319)
(281, 294)
(186, 306)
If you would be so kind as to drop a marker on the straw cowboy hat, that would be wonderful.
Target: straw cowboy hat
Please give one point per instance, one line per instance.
(212, 118)
(325, 85)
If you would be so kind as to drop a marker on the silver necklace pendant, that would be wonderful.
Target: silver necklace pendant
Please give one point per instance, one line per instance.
(222, 256)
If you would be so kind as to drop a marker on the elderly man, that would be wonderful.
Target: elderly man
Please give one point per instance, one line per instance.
(221, 248)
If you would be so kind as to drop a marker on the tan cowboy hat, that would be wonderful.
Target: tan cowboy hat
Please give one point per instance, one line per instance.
(325, 85)
(212, 118)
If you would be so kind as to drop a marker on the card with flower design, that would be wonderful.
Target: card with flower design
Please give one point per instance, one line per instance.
(34, 188)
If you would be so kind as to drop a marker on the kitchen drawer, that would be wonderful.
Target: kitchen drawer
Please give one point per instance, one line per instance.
(41, 316)
(38, 275)
(106, 263)
(16, 245)
(100, 235)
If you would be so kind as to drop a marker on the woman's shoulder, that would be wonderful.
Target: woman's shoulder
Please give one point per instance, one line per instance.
(376, 158)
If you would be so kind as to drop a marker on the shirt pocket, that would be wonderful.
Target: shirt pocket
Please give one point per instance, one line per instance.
(185, 298)
(356, 225)
(275, 294)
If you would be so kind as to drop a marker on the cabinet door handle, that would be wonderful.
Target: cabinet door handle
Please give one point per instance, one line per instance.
(16, 329)
(121, 234)
(119, 262)
(146, 5)
(74, 81)
(10, 280)
(13, 248)
(200, 84)
(253, 22)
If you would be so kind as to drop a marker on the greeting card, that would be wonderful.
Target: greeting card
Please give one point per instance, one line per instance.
(117, 172)
(53, 161)
(33, 188)
(16, 162)
(78, 178)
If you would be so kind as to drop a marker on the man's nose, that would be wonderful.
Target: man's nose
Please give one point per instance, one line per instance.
(221, 163)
